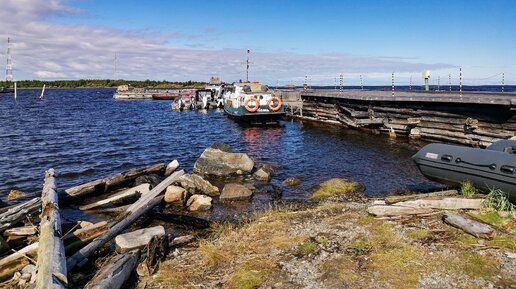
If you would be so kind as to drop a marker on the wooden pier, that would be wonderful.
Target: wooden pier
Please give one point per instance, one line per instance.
(471, 118)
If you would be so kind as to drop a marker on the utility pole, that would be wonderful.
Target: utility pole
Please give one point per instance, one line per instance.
(9, 65)
(247, 65)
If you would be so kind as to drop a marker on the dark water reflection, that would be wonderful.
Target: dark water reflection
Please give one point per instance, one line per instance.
(84, 134)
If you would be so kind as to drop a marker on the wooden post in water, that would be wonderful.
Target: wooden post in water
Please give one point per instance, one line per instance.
(51, 266)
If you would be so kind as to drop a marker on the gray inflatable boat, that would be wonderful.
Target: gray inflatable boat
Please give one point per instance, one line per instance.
(490, 168)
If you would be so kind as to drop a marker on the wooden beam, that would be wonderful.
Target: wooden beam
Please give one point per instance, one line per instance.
(51, 266)
(115, 271)
(108, 183)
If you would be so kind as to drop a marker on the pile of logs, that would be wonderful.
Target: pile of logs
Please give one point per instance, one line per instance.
(48, 255)
(449, 124)
(423, 205)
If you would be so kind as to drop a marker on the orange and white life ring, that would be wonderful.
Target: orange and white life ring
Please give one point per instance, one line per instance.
(251, 109)
(271, 105)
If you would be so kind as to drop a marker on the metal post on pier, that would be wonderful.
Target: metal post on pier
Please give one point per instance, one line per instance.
(341, 82)
(305, 85)
(392, 83)
(449, 81)
(460, 81)
(503, 81)
(335, 83)
(410, 83)
(438, 82)
(361, 83)
(15, 91)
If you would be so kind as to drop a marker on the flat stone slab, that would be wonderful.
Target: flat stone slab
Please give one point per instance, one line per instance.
(137, 239)
(235, 192)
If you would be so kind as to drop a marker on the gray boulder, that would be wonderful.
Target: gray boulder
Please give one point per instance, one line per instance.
(195, 184)
(235, 192)
(217, 162)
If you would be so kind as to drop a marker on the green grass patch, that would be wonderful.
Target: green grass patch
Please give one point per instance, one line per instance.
(336, 188)
(359, 247)
(476, 265)
(508, 242)
(251, 274)
(468, 190)
(340, 272)
(365, 220)
(499, 200)
(419, 234)
(308, 247)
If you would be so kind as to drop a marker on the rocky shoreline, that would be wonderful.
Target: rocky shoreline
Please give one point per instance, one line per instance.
(337, 239)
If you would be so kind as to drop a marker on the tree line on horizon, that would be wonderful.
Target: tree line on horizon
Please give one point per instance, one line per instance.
(93, 83)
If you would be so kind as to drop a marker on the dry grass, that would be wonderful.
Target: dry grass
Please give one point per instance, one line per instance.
(336, 188)
(380, 254)
(252, 273)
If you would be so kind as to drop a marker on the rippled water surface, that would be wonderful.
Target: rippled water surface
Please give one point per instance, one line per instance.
(84, 134)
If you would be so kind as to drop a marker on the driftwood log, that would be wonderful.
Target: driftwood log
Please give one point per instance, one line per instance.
(115, 271)
(140, 207)
(111, 182)
(447, 203)
(470, 226)
(79, 238)
(51, 266)
(21, 231)
(17, 260)
(396, 199)
(19, 213)
(126, 194)
(392, 211)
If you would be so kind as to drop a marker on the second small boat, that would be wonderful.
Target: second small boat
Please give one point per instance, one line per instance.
(487, 169)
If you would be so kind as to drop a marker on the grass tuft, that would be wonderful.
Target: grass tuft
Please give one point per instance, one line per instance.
(468, 190)
(307, 248)
(359, 247)
(336, 188)
(252, 273)
(212, 255)
(499, 200)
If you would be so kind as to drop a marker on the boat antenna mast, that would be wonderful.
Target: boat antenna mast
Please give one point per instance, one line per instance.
(247, 65)
(9, 65)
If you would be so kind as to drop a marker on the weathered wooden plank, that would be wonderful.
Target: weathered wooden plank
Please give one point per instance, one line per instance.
(105, 184)
(19, 213)
(115, 271)
(470, 226)
(129, 193)
(51, 266)
(17, 260)
(83, 236)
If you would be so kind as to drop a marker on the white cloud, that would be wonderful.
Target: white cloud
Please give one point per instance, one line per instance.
(45, 50)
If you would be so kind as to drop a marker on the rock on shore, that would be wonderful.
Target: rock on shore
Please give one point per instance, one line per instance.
(199, 203)
(235, 192)
(195, 184)
(218, 160)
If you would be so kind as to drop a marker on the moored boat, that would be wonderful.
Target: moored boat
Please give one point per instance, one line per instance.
(251, 102)
(6, 90)
(490, 168)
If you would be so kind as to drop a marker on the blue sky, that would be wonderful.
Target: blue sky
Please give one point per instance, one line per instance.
(292, 38)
